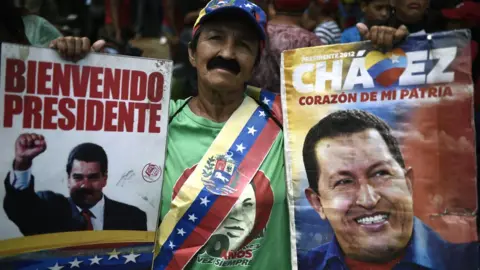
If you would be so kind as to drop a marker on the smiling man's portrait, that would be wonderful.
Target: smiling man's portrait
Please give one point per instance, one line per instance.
(359, 183)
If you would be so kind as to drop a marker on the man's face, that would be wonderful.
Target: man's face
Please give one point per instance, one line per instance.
(241, 220)
(365, 195)
(411, 11)
(377, 12)
(85, 183)
(225, 55)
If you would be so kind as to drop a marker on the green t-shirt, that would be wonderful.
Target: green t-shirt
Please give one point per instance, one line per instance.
(262, 202)
(39, 31)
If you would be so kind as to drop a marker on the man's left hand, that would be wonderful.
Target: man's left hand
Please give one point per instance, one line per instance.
(383, 36)
(75, 48)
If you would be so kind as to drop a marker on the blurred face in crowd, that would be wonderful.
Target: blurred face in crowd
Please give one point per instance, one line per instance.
(376, 12)
(365, 195)
(225, 54)
(410, 11)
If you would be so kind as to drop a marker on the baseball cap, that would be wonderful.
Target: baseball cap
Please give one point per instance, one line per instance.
(465, 11)
(291, 5)
(328, 6)
(253, 12)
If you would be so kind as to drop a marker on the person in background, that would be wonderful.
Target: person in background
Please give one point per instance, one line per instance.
(17, 25)
(118, 22)
(95, 18)
(47, 9)
(182, 13)
(376, 12)
(412, 14)
(181, 16)
(148, 18)
(324, 13)
(284, 33)
(350, 13)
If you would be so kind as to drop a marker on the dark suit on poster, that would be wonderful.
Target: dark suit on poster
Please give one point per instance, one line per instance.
(48, 212)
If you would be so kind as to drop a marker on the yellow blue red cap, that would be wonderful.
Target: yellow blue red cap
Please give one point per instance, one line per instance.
(253, 12)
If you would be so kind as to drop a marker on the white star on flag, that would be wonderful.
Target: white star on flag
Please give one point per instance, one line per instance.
(181, 232)
(171, 245)
(192, 217)
(248, 5)
(132, 257)
(95, 260)
(75, 263)
(205, 201)
(266, 100)
(394, 59)
(252, 130)
(56, 267)
(113, 255)
(240, 148)
(262, 114)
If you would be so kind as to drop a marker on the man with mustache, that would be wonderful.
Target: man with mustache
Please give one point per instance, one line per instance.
(358, 181)
(87, 208)
(231, 129)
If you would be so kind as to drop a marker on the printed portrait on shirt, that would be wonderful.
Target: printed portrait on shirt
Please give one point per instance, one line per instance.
(244, 224)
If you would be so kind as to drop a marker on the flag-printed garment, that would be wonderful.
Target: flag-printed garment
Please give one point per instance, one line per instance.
(256, 232)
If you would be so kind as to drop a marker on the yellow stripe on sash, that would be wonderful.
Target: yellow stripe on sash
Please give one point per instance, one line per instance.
(193, 185)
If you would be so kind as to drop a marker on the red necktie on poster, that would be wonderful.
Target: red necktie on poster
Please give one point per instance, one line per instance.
(87, 215)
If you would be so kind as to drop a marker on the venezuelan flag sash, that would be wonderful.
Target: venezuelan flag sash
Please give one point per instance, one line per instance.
(209, 194)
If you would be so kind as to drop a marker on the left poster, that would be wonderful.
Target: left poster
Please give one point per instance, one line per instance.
(82, 159)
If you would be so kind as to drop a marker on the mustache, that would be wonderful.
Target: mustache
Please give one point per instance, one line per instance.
(84, 191)
(220, 62)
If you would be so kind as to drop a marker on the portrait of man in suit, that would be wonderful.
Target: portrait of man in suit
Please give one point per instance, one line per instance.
(87, 207)
(359, 183)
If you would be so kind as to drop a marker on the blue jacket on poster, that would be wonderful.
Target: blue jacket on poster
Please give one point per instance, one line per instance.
(426, 250)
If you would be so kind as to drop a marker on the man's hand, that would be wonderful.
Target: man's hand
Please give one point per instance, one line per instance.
(75, 48)
(383, 36)
(27, 147)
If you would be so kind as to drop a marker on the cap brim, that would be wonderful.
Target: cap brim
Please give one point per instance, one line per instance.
(238, 10)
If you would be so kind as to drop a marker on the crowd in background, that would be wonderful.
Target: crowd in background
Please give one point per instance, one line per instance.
(292, 24)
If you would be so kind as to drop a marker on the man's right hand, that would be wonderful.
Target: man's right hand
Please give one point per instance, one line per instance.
(27, 147)
(75, 48)
(384, 37)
